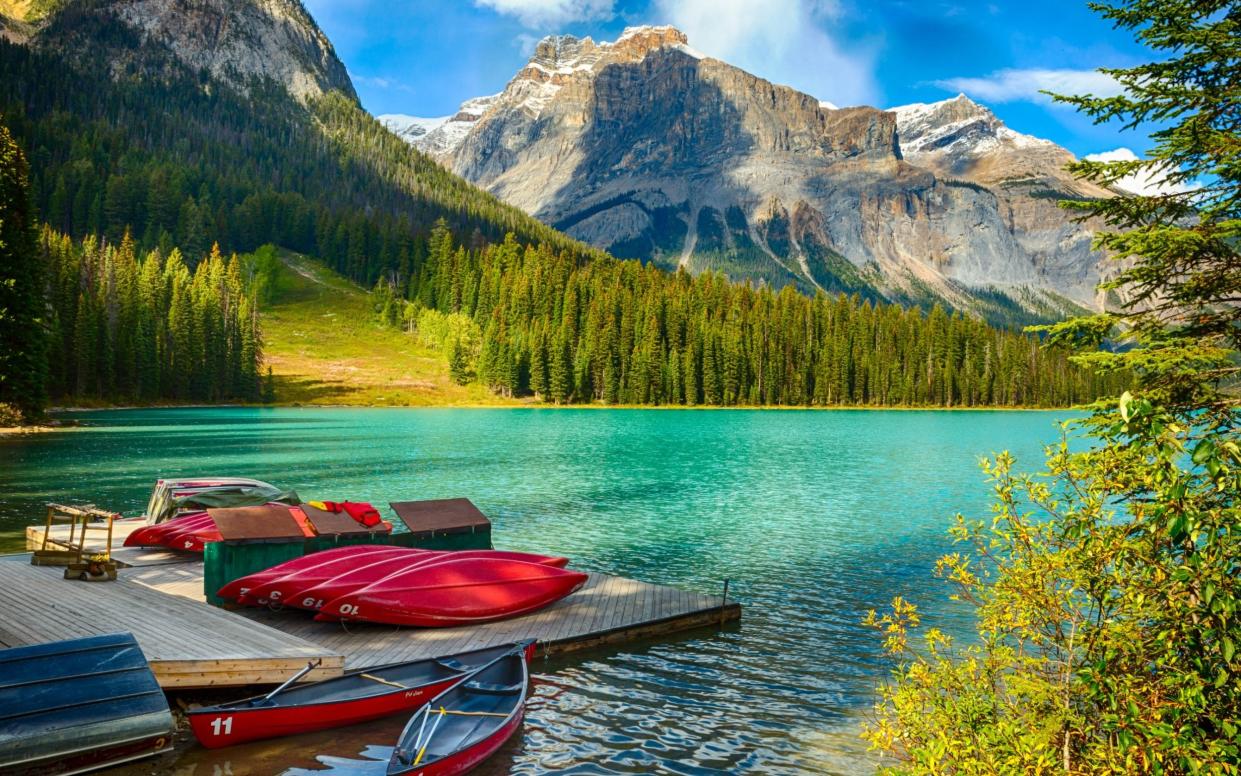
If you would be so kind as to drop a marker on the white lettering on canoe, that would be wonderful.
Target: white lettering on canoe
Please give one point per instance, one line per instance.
(224, 724)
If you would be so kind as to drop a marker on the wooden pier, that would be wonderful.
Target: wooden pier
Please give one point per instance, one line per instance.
(159, 598)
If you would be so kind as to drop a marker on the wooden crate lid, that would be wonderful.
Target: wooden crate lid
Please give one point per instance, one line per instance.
(445, 515)
(337, 523)
(270, 521)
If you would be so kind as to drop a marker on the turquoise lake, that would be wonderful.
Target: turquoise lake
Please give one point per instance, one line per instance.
(815, 517)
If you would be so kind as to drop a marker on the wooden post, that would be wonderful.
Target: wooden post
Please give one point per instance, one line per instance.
(48, 528)
(723, 602)
(108, 547)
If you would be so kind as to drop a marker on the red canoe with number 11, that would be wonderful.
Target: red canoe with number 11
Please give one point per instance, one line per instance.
(358, 696)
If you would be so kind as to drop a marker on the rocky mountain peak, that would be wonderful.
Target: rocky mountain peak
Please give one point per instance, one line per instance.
(927, 127)
(640, 40)
(236, 41)
(651, 150)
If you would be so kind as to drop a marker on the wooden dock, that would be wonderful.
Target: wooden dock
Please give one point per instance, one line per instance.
(188, 643)
(159, 597)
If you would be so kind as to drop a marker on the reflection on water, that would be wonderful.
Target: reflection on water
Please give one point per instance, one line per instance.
(815, 517)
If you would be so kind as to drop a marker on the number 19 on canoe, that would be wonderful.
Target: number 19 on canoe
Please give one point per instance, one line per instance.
(222, 726)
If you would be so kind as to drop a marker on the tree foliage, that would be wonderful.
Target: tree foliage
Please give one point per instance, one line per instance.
(620, 332)
(1106, 589)
(145, 329)
(22, 334)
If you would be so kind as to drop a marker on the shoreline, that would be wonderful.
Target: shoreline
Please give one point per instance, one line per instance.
(539, 406)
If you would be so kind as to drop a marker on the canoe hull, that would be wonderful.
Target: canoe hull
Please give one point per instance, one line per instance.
(243, 584)
(489, 694)
(457, 592)
(240, 722)
(96, 759)
(317, 598)
(236, 726)
(78, 705)
(469, 759)
(290, 586)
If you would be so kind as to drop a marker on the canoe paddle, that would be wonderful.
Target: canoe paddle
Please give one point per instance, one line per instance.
(309, 667)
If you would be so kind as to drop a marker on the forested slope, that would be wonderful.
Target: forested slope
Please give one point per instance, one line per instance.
(181, 159)
(122, 138)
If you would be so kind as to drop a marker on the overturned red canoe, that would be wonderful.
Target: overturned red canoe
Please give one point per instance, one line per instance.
(314, 598)
(456, 591)
(153, 535)
(242, 584)
(196, 541)
(290, 585)
(175, 538)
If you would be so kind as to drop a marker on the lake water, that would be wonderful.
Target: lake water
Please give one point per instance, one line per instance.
(814, 516)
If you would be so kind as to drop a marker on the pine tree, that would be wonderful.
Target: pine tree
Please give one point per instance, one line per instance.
(458, 363)
(23, 338)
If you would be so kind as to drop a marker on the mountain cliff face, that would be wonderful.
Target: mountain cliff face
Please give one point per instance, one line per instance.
(235, 41)
(649, 149)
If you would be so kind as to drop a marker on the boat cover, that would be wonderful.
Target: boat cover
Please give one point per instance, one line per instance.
(61, 700)
(249, 495)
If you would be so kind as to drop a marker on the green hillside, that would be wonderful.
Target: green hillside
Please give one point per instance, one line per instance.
(324, 347)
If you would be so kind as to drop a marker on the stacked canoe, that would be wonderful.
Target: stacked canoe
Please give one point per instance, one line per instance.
(190, 531)
(405, 586)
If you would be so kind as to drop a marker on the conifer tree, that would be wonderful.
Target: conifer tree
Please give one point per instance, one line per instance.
(23, 338)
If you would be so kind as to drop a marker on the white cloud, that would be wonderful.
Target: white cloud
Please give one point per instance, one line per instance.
(1025, 85)
(785, 41)
(548, 14)
(1146, 183)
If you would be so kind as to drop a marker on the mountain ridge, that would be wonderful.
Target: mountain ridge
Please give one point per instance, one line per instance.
(627, 144)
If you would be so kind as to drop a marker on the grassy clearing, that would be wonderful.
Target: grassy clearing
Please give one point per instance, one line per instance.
(324, 348)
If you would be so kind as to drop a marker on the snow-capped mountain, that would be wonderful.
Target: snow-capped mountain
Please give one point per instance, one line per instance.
(647, 148)
(439, 136)
(960, 138)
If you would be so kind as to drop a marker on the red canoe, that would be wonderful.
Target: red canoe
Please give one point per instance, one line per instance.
(466, 723)
(456, 591)
(358, 696)
(240, 585)
(183, 538)
(289, 585)
(314, 598)
(152, 535)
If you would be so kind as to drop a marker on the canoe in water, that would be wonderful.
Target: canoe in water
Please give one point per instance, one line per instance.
(456, 591)
(467, 723)
(358, 696)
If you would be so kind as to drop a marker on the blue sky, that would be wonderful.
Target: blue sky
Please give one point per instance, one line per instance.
(423, 57)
